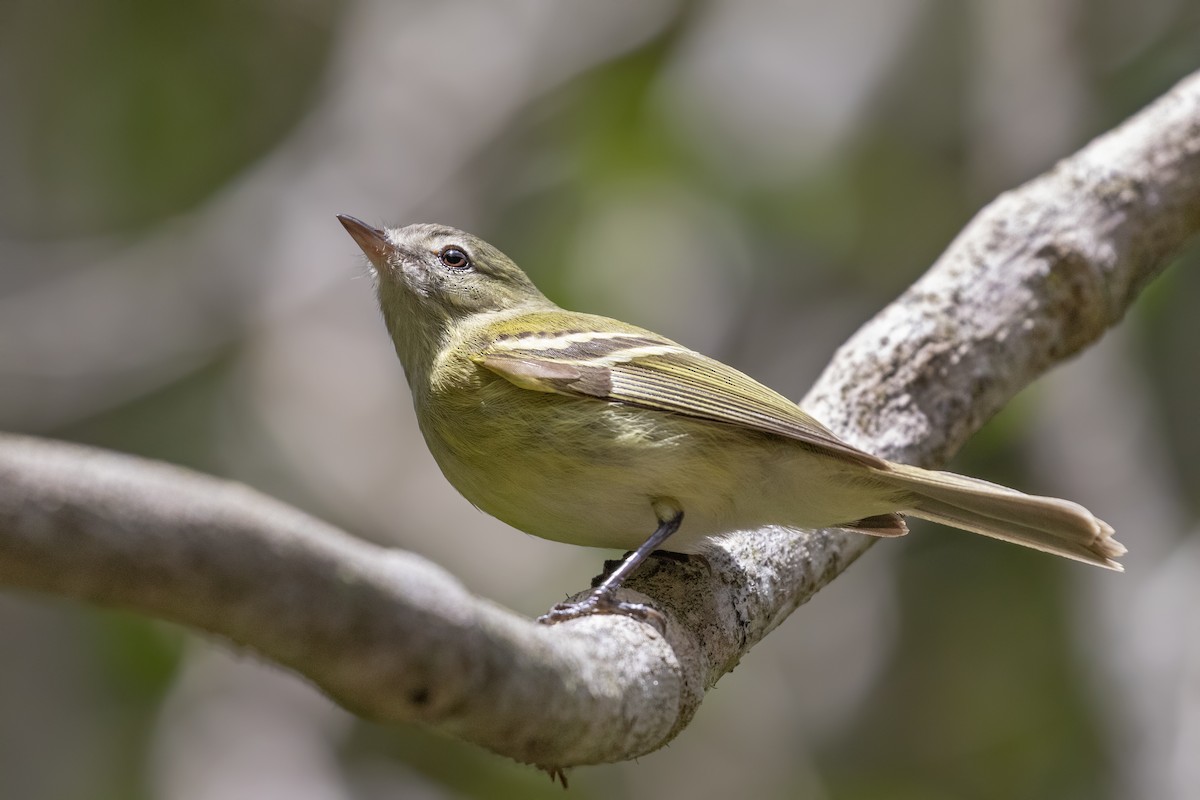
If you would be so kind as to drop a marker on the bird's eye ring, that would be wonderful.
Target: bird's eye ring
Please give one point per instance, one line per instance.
(454, 258)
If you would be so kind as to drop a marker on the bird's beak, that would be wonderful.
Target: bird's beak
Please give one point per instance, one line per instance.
(373, 241)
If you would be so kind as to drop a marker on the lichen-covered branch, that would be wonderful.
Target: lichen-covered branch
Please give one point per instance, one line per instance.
(1040, 273)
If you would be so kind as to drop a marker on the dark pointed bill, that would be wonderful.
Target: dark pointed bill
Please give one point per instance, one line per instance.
(372, 240)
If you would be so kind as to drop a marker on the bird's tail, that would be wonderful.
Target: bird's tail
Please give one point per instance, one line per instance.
(1044, 523)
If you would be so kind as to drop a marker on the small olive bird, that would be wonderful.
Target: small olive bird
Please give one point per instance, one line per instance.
(587, 430)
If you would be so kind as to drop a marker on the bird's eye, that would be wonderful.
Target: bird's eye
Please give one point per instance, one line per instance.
(454, 258)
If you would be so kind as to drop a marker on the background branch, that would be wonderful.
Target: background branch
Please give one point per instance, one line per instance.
(1039, 274)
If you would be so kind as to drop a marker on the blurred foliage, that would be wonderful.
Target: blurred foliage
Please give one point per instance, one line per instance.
(1168, 328)
(117, 114)
(121, 113)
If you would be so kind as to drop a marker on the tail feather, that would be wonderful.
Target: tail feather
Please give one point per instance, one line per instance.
(1043, 523)
(881, 525)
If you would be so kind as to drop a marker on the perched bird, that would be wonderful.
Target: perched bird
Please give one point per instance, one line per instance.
(588, 430)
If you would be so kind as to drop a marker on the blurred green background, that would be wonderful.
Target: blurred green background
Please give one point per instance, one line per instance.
(770, 173)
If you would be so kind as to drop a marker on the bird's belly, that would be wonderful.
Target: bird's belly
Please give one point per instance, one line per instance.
(585, 474)
(591, 475)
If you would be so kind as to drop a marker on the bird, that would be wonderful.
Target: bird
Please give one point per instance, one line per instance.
(587, 430)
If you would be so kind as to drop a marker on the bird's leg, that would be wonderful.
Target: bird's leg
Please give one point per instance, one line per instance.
(603, 599)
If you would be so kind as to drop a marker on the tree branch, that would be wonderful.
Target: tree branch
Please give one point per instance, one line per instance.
(1036, 276)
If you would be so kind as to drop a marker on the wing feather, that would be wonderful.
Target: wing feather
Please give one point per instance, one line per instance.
(642, 369)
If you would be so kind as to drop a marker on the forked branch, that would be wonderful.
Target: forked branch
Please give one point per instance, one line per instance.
(1037, 275)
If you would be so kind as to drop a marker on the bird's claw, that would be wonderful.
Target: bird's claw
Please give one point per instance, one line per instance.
(604, 603)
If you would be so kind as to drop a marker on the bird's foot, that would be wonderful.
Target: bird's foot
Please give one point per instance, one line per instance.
(603, 602)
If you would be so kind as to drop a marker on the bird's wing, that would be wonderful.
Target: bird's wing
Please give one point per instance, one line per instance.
(640, 368)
